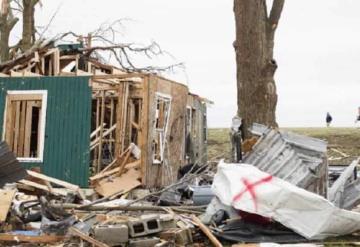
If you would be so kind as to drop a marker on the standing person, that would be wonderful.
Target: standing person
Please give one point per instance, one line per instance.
(236, 137)
(328, 119)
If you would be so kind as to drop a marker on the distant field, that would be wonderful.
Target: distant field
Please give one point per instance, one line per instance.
(345, 140)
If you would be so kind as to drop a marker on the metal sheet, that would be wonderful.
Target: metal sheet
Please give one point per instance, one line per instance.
(297, 159)
(10, 168)
(67, 130)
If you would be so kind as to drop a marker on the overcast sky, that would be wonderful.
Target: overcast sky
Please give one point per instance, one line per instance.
(317, 48)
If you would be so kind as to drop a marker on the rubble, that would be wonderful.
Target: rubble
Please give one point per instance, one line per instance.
(277, 198)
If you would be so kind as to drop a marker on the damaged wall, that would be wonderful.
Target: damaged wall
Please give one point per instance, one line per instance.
(166, 172)
(67, 129)
(196, 128)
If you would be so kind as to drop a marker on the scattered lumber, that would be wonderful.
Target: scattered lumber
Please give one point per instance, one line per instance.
(56, 181)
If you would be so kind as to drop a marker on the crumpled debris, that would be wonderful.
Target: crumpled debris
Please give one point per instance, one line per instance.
(246, 188)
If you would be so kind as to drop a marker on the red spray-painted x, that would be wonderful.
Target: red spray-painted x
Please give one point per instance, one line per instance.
(250, 187)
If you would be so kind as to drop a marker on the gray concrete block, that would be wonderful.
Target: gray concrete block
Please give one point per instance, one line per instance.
(112, 234)
(145, 225)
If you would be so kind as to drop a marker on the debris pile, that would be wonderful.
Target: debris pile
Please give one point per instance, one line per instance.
(276, 195)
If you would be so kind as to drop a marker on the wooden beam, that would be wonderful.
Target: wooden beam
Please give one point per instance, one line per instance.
(120, 76)
(95, 132)
(144, 141)
(42, 187)
(56, 181)
(111, 122)
(14, 97)
(17, 127)
(28, 124)
(22, 129)
(101, 132)
(106, 133)
(206, 231)
(42, 239)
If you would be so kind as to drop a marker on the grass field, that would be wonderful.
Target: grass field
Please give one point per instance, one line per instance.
(345, 140)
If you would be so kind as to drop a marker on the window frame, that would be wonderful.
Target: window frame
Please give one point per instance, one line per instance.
(44, 94)
(162, 132)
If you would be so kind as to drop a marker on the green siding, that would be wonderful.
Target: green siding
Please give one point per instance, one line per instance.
(67, 130)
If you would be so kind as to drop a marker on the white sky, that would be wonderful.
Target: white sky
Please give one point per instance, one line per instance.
(317, 49)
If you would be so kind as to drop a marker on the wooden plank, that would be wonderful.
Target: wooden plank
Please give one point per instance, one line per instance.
(22, 129)
(119, 113)
(95, 132)
(42, 239)
(6, 197)
(119, 76)
(17, 127)
(97, 124)
(206, 231)
(144, 141)
(53, 180)
(76, 232)
(42, 187)
(29, 110)
(122, 166)
(101, 132)
(15, 97)
(122, 184)
(111, 122)
(39, 132)
(106, 133)
(9, 122)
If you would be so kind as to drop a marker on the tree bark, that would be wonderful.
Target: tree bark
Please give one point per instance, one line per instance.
(28, 34)
(7, 23)
(256, 66)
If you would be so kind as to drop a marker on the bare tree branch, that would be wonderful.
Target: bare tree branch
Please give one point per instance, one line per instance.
(274, 16)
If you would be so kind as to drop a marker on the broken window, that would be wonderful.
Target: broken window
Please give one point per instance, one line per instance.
(24, 123)
(162, 115)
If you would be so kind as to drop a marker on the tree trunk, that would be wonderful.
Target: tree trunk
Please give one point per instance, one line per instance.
(256, 66)
(28, 34)
(7, 23)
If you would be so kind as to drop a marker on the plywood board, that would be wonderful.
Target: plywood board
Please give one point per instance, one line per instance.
(6, 197)
(124, 183)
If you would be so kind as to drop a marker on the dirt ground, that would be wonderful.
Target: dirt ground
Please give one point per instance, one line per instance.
(343, 143)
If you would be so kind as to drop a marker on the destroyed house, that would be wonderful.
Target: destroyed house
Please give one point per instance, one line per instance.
(72, 116)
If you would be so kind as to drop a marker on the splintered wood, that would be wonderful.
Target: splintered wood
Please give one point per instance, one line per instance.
(44, 184)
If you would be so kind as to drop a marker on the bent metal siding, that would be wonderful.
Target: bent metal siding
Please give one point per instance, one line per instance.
(67, 130)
